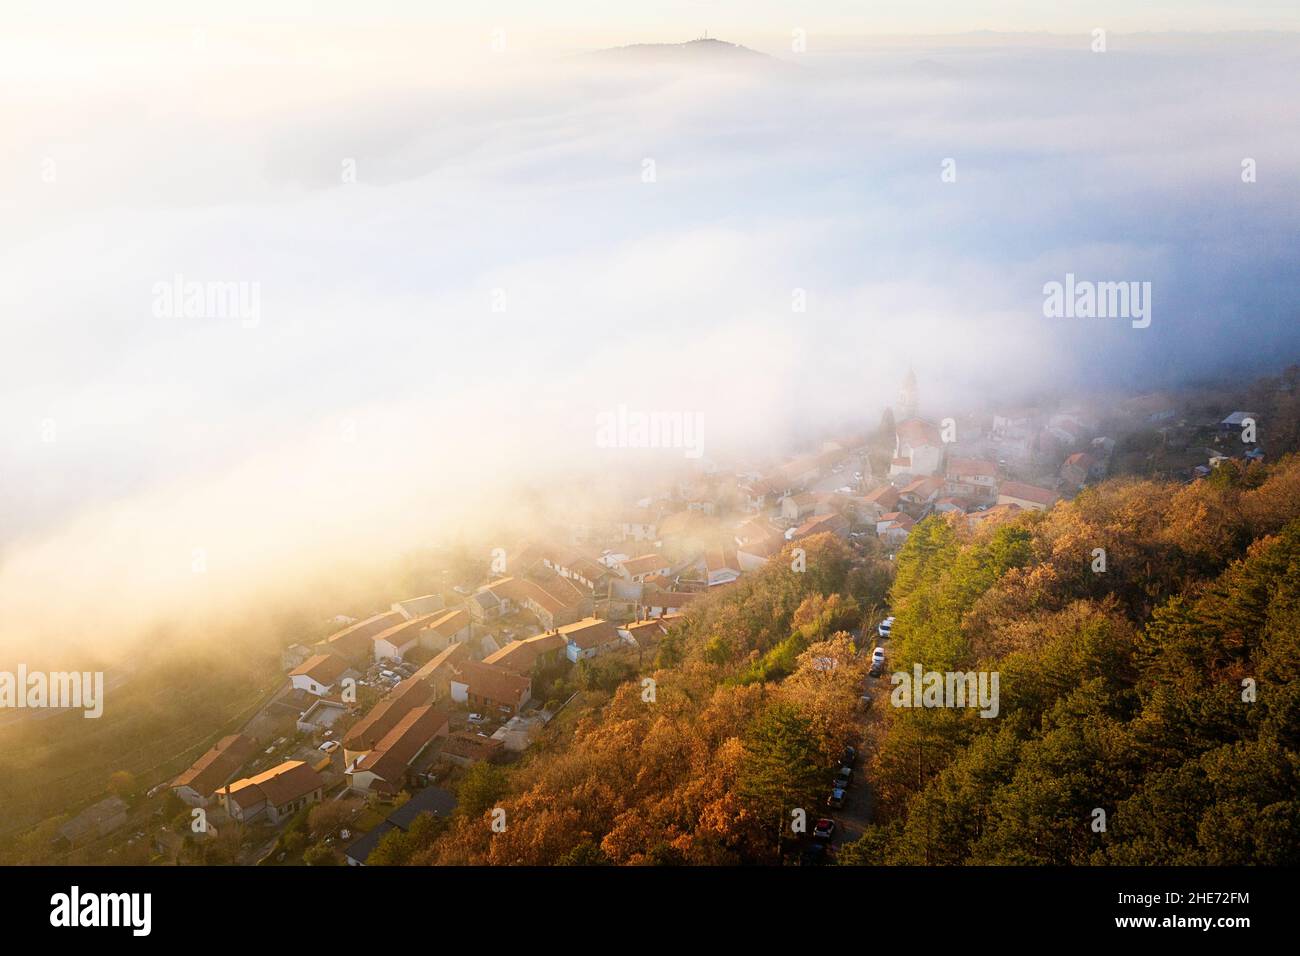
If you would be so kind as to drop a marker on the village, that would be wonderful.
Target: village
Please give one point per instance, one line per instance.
(389, 711)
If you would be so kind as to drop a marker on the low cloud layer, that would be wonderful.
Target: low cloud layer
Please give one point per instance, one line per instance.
(449, 325)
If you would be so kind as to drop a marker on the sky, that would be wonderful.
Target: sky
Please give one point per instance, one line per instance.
(460, 254)
(603, 23)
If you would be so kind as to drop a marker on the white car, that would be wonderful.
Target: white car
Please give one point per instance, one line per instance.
(329, 746)
(878, 656)
(884, 627)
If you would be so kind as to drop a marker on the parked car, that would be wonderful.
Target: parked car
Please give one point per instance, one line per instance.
(850, 758)
(836, 799)
(813, 855)
(878, 656)
(329, 746)
(877, 669)
(825, 829)
(477, 719)
(844, 777)
(884, 627)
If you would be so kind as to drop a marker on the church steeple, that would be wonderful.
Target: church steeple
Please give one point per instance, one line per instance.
(909, 400)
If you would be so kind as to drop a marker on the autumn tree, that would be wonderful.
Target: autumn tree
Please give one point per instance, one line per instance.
(782, 770)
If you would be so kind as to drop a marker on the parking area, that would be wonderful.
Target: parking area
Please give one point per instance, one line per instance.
(854, 798)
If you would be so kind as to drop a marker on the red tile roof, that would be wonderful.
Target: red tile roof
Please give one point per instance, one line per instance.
(442, 661)
(1017, 489)
(589, 632)
(964, 467)
(324, 669)
(668, 598)
(916, 433)
(644, 563)
(885, 496)
(821, 524)
(206, 775)
(492, 683)
(522, 655)
(280, 785)
(399, 635)
(922, 486)
(385, 715)
(898, 519)
(447, 623)
(354, 640)
(721, 559)
(395, 751)
(470, 746)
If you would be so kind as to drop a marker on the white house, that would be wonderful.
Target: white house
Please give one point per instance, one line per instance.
(589, 638)
(445, 629)
(641, 524)
(972, 478)
(721, 565)
(384, 768)
(646, 566)
(396, 641)
(918, 449)
(795, 508)
(320, 674)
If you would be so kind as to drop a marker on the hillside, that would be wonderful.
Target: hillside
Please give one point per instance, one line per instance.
(1121, 691)
(704, 55)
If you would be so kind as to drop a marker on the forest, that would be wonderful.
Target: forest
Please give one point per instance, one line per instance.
(1147, 638)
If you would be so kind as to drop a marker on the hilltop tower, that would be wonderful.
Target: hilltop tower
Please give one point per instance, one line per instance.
(909, 400)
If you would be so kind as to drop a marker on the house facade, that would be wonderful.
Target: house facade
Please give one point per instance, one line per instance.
(213, 770)
(918, 449)
(277, 793)
(489, 687)
(320, 674)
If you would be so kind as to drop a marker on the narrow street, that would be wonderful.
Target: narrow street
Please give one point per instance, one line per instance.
(859, 800)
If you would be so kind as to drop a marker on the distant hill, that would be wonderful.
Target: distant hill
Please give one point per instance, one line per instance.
(703, 52)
